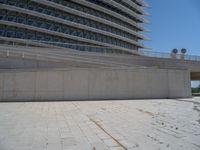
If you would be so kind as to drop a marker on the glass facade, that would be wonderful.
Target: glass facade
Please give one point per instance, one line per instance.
(75, 22)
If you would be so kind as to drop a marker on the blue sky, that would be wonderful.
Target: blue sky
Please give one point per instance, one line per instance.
(174, 24)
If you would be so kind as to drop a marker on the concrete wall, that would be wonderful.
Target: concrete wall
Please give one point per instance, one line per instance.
(85, 84)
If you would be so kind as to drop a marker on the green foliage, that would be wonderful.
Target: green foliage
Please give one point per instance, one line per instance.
(195, 90)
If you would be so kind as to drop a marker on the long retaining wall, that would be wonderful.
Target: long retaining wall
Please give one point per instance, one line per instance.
(93, 84)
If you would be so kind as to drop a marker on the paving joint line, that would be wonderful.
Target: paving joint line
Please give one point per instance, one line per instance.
(97, 124)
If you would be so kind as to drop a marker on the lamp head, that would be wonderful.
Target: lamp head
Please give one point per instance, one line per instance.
(175, 51)
(183, 51)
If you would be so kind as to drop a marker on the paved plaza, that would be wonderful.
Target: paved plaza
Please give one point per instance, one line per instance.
(101, 125)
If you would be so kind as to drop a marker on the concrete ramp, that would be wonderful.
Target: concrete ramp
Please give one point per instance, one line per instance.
(67, 58)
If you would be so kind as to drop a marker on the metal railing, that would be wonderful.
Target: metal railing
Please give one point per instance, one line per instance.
(69, 47)
(169, 55)
(54, 57)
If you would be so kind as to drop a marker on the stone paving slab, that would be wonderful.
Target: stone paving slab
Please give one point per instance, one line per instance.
(101, 125)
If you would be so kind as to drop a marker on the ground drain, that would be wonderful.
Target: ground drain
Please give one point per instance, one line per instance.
(97, 124)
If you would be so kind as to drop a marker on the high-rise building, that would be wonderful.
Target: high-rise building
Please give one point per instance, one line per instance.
(86, 25)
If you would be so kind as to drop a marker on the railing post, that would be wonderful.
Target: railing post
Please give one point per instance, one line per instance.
(7, 53)
(36, 57)
(22, 55)
(26, 43)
